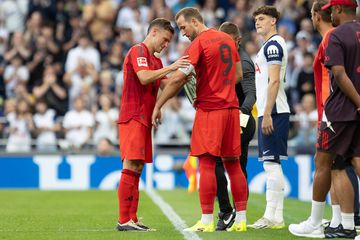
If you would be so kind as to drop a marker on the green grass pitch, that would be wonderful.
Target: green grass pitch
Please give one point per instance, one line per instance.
(30, 214)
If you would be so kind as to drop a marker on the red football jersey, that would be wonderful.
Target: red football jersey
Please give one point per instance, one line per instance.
(138, 100)
(214, 55)
(321, 76)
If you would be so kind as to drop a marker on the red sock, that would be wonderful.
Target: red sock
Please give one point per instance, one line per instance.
(207, 190)
(237, 184)
(125, 191)
(135, 201)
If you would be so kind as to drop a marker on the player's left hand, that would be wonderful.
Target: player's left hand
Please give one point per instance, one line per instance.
(267, 125)
(156, 117)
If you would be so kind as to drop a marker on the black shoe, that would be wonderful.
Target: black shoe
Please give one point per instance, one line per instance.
(130, 226)
(225, 221)
(340, 232)
(357, 221)
(329, 230)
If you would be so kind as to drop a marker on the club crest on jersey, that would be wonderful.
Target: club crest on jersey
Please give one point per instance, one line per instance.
(142, 61)
(273, 51)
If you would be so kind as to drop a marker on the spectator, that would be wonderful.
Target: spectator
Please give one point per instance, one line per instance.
(104, 147)
(98, 15)
(291, 14)
(2, 82)
(159, 9)
(81, 82)
(70, 34)
(304, 44)
(126, 38)
(22, 93)
(46, 8)
(14, 13)
(33, 28)
(305, 123)
(84, 53)
(212, 13)
(128, 15)
(134, 17)
(106, 84)
(114, 60)
(106, 121)
(15, 73)
(20, 126)
(305, 79)
(41, 57)
(52, 90)
(4, 35)
(187, 113)
(78, 125)
(105, 44)
(173, 127)
(45, 127)
(17, 47)
(47, 31)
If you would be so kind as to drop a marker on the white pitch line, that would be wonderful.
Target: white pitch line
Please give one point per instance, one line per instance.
(174, 218)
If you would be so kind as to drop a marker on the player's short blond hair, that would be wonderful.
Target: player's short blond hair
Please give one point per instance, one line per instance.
(188, 13)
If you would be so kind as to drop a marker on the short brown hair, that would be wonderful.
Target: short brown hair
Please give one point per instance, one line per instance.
(267, 10)
(161, 23)
(188, 13)
(229, 28)
(326, 13)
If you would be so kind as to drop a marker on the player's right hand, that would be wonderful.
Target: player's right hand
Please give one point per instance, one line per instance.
(156, 117)
(182, 62)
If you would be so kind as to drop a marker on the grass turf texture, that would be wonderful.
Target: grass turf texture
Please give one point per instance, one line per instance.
(29, 214)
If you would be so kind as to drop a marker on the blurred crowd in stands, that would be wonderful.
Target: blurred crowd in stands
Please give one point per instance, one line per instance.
(61, 67)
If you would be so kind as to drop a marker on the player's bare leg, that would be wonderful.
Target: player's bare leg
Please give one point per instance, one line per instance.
(345, 194)
(322, 181)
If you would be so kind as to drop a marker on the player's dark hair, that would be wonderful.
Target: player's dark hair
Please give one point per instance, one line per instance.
(229, 28)
(350, 10)
(188, 13)
(267, 10)
(326, 13)
(161, 23)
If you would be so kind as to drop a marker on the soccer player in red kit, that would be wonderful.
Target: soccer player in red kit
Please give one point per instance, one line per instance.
(143, 75)
(216, 62)
(321, 19)
(340, 127)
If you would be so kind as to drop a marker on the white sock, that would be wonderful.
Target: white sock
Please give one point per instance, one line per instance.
(347, 220)
(317, 213)
(240, 216)
(274, 189)
(336, 216)
(206, 218)
(279, 212)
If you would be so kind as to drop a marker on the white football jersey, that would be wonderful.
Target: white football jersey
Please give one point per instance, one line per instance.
(272, 52)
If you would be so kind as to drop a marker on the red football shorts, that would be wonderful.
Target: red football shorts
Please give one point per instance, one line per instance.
(135, 141)
(217, 133)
